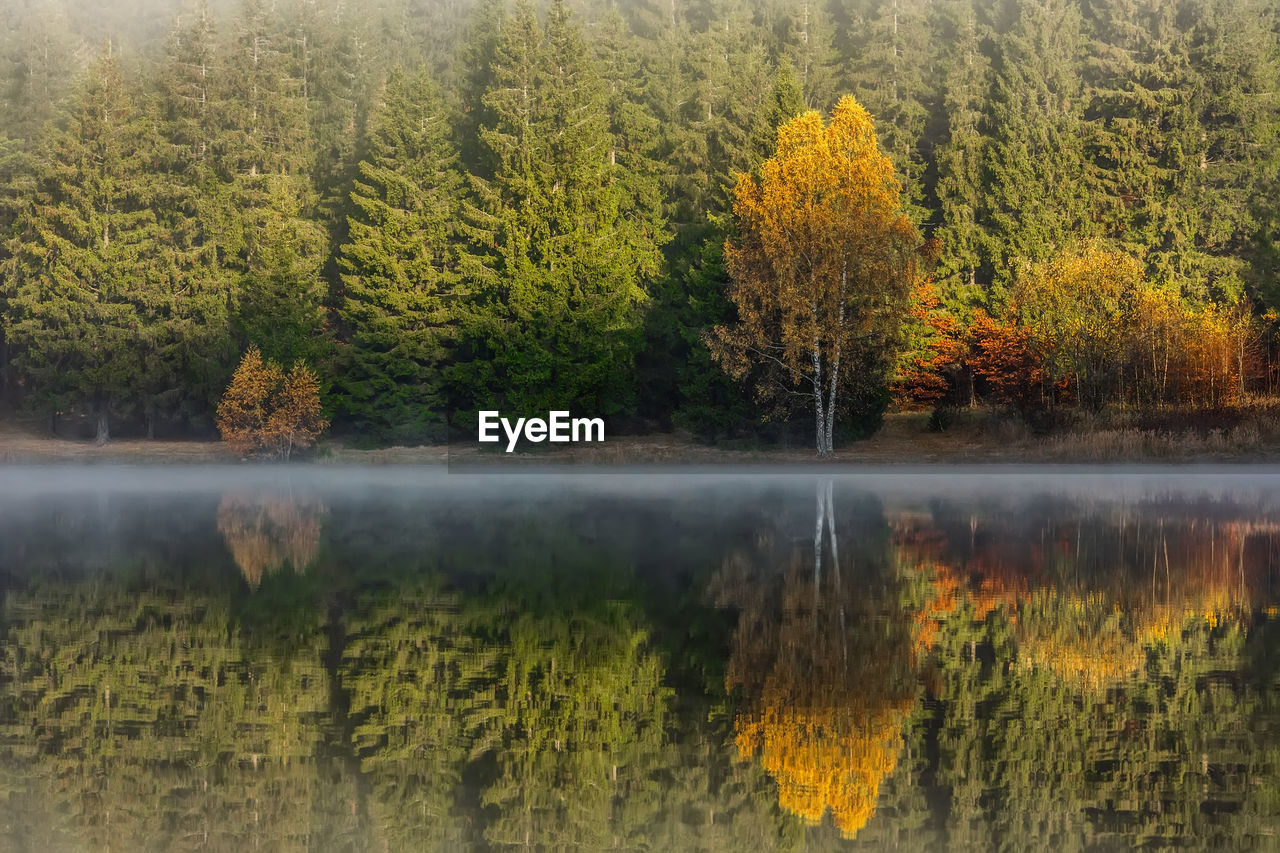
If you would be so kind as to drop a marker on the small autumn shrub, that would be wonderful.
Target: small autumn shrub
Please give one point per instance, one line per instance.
(267, 412)
(1087, 330)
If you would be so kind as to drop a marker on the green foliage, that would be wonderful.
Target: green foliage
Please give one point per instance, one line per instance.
(580, 164)
(95, 288)
(566, 242)
(403, 297)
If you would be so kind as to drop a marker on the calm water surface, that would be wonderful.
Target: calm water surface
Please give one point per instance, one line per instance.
(397, 659)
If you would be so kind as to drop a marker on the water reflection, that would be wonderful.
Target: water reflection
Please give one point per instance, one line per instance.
(268, 532)
(713, 664)
(826, 673)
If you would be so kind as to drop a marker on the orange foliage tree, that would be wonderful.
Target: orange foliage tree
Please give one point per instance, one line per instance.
(1088, 325)
(933, 351)
(1003, 353)
(822, 265)
(268, 412)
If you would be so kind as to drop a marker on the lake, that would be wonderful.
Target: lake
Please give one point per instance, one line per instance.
(389, 659)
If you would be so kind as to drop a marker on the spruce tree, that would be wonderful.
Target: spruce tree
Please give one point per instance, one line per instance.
(1143, 134)
(708, 401)
(266, 155)
(192, 357)
(85, 265)
(477, 56)
(1230, 164)
(402, 291)
(963, 265)
(812, 44)
(891, 72)
(566, 247)
(1036, 194)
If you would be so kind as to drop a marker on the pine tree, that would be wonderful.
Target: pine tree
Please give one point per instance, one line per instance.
(44, 58)
(963, 266)
(1143, 134)
(85, 267)
(191, 354)
(811, 39)
(891, 72)
(280, 300)
(266, 155)
(566, 246)
(732, 86)
(477, 56)
(708, 401)
(1230, 163)
(1036, 197)
(402, 291)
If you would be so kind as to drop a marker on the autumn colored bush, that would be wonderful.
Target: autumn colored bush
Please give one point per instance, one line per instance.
(268, 412)
(1088, 328)
(1003, 354)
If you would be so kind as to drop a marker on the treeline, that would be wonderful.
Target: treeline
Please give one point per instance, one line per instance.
(443, 207)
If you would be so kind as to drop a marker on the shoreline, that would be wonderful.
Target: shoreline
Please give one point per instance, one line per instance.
(904, 440)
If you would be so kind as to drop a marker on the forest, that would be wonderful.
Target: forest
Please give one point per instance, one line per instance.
(424, 208)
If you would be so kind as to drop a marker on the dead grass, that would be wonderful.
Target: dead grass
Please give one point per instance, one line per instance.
(21, 447)
(976, 436)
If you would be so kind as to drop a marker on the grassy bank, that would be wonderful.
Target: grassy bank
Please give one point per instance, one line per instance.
(971, 436)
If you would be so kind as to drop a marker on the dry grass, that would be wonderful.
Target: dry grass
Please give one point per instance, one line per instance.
(976, 436)
(1246, 434)
(22, 447)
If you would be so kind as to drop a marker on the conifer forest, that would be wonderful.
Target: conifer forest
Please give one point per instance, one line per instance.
(719, 216)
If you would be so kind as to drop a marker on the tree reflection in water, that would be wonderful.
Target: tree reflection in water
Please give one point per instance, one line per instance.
(267, 532)
(725, 670)
(824, 705)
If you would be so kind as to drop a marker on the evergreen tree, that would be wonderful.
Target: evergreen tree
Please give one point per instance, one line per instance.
(566, 246)
(1224, 191)
(402, 292)
(1036, 197)
(709, 401)
(477, 57)
(811, 37)
(190, 356)
(960, 159)
(266, 154)
(892, 74)
(85, 265)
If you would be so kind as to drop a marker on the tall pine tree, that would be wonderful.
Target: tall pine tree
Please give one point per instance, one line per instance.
(566, 247)
(403, 295)
(85, 260)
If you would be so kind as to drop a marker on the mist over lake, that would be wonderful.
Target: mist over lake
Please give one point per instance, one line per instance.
(406, 658)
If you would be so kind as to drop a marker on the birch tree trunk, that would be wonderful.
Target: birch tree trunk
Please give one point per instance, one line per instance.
(821, 413)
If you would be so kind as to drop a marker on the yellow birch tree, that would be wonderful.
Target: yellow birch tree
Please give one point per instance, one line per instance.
(822, 265)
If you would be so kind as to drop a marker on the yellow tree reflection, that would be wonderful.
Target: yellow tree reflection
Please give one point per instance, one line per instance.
(826, 683)
(267, 532)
